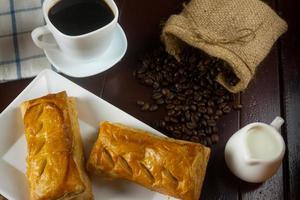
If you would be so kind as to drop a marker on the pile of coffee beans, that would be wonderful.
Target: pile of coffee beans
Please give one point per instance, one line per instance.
(193, 101)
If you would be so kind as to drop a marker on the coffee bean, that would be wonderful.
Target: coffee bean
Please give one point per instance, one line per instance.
(195, 132)
(178, 107)
(187, 115)
(181, 97)
(165, 91)
(134, 73)
(155, 85)
(196, 87)
(214, 129)
(210, 111)
(176, 102)
(219, 112)
(171, 128)
(204, 142)
(182, 119)
(160, 101)
(186, 107)
(168, 101)
(187, 91)
(197, 98)
(191, 125)
(170, 106)
(153, 107)
(145, 107)
(167, 118)
(214, 138)
(205, 116)
(222, 105)
(201, 133)
(201, 103)
(202, 109)
(220, 101)
(140, 103)
(194, 118)
(208, 130)
(185, 129)
(169, 95)
(171, 113)
(148, 82)
(226, 109)
(141, 70)
(210, 103)
(237, 107)
(211, 122)
(193, 107)
(156, 96)
(174, 120)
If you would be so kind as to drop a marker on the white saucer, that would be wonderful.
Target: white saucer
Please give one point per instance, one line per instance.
(76, 68)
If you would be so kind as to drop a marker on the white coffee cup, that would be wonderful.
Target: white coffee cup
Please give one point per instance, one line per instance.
(80, 47)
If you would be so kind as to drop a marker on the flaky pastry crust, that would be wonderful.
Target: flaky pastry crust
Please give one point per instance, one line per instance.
(173, 167)
(55, 161)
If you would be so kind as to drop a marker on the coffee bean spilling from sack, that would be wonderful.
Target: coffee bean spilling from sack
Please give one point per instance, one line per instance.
(188, 92)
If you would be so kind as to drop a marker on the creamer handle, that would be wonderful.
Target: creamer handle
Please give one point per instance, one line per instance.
(277, 123)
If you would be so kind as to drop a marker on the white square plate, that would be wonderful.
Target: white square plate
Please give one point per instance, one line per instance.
(91, 110)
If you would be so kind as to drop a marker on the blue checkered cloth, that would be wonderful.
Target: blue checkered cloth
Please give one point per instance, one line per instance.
(19, 57)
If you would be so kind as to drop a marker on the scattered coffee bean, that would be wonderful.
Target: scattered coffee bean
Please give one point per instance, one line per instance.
(148, 82)
(170, 106)
(226, 109)
(214, 138)
(193, 101)
(237, 107)
(156, 96)
(145, 107)
(211, 122)
(171, 113)
(210, 111)
(165, 91)
(160, 101)
(155, 85)
(174, 120)
(202, 109)
(219, 112)
(140, 103)
(153, 107)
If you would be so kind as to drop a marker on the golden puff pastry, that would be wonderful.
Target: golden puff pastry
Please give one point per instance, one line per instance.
(173, 167)
(55, 161)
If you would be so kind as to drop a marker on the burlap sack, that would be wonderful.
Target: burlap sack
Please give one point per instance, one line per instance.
(241, 32)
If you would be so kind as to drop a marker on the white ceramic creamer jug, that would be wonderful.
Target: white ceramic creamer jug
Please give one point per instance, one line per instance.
(255, 152)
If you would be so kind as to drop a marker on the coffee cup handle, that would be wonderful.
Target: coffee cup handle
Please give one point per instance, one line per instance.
(37, 39)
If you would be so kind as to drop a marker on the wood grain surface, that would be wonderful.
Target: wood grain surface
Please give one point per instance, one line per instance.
(274, 91)
(290, 95)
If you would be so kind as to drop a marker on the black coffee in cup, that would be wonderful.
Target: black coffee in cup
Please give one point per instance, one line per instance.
(77, 17)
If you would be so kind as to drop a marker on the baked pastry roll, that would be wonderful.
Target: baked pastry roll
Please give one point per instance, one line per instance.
(172, 167)
(55, 160)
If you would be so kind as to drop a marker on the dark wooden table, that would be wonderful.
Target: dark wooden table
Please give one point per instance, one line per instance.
(274, 91)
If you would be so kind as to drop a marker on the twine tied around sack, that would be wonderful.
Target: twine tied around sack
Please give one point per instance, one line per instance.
(241, 37)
